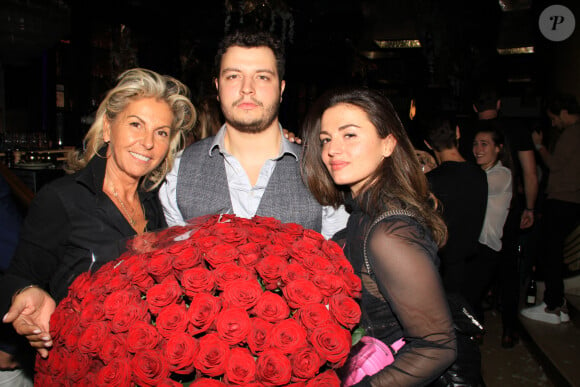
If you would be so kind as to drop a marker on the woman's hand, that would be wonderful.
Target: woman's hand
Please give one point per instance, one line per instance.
(291, 136)
(427, 161)
(30, 315)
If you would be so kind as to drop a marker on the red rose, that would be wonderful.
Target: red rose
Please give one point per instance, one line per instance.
(242, 293)
(81, 285)
(259, 235)
(316, 264)
(169, 383)
(302, 249)
(259, 334)
(332, 342)
(142, 336)
(271, 307)
(112, 347)
(229, 232)
(292, 229)
(205, 382)
(159, 265)
(332, 250)
(77, 365)
(166, 293)
(202, 312)
(171, 319)
(91, 313)
(276, 249)
(187, 257)
(288, 336)
(342, 265)
(125, 317)
(328, 378)
(180, 350)
(213, 355)
(197, 280)
(268, 222)
(352, 284)
(273, 368)
(91, 338)
(271, 268)
(312, 316)
(301, 292)
(314, 237)
(204, 244)
(233, 325)
(329, 284)
(139, 276)
(345, 310)
(149, 368)
(241, 368)
(120, 299)
(293, 272)
(305, 363)
(71, 339)
(250, 253)
(116, 282)
(115, 374)
(229, 272)
(221, 254)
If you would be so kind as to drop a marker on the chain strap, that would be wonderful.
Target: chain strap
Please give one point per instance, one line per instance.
(384, 215)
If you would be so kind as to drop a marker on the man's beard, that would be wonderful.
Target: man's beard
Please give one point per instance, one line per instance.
(259, 124)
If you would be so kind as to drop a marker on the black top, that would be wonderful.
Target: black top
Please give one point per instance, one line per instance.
(70, 221)
(404, 298)
(461, 187)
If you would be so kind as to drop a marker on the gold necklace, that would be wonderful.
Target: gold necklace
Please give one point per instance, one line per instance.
(131, 220)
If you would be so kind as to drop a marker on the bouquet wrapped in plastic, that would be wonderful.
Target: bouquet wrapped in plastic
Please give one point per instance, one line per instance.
(222, 301)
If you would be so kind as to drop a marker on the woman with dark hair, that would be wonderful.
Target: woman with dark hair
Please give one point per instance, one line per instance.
(358, 153)
(493, 156)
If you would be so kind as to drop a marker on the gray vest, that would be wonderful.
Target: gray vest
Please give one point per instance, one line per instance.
(202, 188)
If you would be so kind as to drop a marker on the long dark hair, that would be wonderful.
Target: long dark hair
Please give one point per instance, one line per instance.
(398, 181)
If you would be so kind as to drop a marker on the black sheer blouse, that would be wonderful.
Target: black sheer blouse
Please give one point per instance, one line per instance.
(403, 297)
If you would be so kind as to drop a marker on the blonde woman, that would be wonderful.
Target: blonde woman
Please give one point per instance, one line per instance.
(82, 220)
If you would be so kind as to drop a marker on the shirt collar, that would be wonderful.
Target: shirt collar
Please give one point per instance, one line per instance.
(219, 144)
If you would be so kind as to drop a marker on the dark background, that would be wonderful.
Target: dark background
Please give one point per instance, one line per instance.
(83, 45)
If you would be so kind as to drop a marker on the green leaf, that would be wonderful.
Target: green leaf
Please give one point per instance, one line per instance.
(357, 334)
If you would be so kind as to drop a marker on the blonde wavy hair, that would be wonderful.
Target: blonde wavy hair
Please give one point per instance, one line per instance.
(132, 85)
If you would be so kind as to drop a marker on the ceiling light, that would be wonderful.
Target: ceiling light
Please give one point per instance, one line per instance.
(401, 43)
(516, 50)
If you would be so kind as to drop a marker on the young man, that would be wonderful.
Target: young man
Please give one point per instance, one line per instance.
(462, 189)
(248, 168)
(561, 212)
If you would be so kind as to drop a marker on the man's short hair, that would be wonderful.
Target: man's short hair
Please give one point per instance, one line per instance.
(251, 39)
(439, 132)
(486, 99)
(560, 102)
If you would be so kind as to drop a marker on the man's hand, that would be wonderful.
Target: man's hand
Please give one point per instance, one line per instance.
(527, 219)
(30, 316)
(7, 361)
(291, 136)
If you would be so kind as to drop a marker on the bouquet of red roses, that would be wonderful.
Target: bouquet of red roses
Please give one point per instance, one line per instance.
(222, 301)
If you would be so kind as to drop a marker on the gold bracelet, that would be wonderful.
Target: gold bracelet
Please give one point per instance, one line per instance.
(23, 289)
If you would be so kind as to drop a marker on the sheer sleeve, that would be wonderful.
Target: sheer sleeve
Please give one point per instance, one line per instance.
(402, 259)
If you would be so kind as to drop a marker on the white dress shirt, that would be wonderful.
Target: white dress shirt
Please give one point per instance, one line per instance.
(499, 196)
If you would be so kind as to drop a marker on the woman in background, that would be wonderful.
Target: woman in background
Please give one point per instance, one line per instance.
(492, 155)
(83, 220)
(357, 153)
